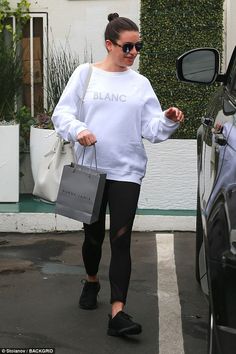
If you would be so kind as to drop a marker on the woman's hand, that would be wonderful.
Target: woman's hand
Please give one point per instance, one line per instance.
(174, 114)
(86, 138)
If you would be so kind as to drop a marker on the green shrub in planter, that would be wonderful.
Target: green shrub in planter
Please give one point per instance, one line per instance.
(61, 64)
(10, 56)
(10, 80)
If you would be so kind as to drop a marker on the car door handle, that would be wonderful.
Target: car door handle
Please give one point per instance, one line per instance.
(220, 139)
(228, 258)
(207, 121)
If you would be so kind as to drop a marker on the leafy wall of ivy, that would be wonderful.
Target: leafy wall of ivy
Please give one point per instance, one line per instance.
(170, 28)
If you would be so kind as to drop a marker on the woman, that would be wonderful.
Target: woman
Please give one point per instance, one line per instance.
(120, 108)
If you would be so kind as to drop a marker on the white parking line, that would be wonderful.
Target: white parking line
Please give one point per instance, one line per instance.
(170, 324)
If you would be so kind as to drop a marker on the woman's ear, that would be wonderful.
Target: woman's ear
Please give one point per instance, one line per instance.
(109, 45)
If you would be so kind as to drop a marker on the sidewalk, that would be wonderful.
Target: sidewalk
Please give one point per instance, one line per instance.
(33, 215)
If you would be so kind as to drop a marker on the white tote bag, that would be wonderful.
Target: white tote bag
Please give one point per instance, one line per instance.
(50, 170)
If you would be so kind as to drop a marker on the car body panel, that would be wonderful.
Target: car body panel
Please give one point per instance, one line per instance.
(216, 151)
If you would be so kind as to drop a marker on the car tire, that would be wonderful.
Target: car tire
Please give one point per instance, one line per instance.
(199, 238)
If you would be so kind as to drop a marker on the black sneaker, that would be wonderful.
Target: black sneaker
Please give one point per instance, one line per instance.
(122, 325)
(88, 298)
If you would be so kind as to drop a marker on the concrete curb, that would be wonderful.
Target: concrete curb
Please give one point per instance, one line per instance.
(49, 222)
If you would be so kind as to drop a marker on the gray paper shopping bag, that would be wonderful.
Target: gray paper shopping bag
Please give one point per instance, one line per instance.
(80, 193)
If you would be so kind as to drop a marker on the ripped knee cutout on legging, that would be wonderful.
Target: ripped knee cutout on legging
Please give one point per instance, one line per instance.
(120, 233)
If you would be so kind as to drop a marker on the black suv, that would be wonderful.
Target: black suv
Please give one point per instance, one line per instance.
(216, 195)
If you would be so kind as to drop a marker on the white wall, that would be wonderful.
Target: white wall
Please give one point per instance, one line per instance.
(171, 178)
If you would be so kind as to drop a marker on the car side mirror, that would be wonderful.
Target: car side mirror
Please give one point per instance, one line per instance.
(198, 66)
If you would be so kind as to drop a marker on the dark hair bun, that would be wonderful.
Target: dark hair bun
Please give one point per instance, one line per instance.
(112, 17)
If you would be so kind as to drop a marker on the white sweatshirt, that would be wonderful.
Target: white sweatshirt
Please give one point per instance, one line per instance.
(120, 108)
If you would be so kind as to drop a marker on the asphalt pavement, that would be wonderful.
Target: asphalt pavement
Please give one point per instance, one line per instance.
(40, 284)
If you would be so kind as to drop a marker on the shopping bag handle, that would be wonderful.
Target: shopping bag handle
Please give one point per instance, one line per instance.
(95, 156)
(82, 153)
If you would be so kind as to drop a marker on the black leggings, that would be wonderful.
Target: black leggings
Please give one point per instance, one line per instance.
(122, 199)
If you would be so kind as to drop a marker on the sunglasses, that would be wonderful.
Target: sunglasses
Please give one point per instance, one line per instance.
(127, 47)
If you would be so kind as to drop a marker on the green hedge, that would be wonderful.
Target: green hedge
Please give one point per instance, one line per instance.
(168, 29)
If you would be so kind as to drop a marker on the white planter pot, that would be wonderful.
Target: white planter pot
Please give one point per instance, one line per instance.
(41, 140)
(9, 163)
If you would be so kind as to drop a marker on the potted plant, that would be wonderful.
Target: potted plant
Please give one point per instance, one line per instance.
(10, 79)
(10, 85)
(61, 65)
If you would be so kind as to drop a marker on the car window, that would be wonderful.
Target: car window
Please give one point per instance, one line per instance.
(231, 75)
(233, 92)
